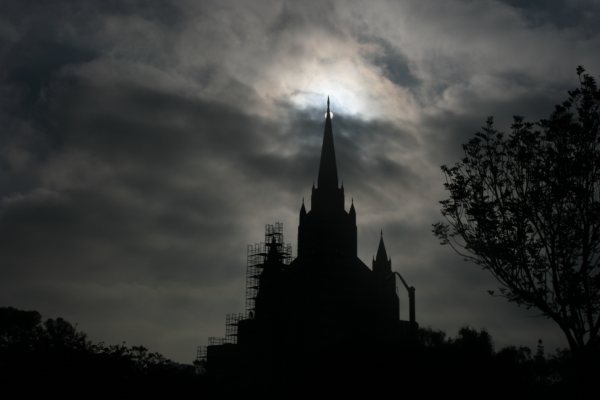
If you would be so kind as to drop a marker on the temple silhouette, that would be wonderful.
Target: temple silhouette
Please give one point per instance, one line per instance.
(321, 314)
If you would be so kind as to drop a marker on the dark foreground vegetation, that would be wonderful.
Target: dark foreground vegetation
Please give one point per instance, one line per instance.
(41, 356)
(37, 355)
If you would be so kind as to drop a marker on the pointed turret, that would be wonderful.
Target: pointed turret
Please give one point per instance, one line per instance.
(328, 177)
(386, 282)
(381, 253)
(381, 263)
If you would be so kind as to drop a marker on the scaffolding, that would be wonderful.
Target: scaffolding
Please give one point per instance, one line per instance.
(216, 341)
(201, 353)
(231, 327)
(201, 360)
(257, 255)
(231, 331)
(275, 231)
(256, 258)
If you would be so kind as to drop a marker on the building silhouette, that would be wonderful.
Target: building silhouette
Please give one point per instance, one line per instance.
(323, 314)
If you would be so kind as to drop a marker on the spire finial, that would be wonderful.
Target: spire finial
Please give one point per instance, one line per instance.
(327, 105)
(381, 233)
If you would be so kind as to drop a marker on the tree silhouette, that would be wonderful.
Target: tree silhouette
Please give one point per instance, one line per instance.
(526, 207)
(56, 352)
(18, 329)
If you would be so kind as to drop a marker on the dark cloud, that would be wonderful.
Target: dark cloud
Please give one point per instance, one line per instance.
(394, 65)
(565, 14)
(294, 18)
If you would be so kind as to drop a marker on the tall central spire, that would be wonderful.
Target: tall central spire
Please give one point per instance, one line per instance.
(328, 177)
(327, 229)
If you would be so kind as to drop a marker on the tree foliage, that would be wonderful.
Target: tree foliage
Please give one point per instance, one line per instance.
(55, 351)
(526, 207)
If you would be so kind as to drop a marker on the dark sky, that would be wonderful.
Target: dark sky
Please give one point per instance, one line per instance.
(144, 144)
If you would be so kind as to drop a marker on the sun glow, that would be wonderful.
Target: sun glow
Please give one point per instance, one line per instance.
(354, 89)
(325, 67)
(344, 91)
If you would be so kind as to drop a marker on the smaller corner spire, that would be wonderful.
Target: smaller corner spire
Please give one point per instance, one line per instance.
(381, 252)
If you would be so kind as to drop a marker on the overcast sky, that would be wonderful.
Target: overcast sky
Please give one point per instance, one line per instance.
(144, 144)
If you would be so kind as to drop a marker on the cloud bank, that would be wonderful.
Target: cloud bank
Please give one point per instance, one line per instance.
(144, 144)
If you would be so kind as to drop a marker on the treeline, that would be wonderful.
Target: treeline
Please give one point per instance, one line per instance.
(467, 365)
(53, 353)
(470, 361)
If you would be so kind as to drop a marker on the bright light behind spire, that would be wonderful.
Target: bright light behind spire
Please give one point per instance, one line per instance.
(342, 78)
